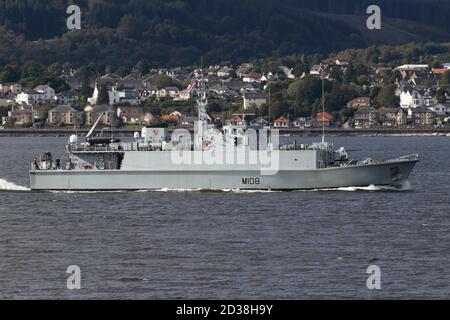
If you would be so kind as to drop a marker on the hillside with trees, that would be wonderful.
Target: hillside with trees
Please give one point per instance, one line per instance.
(177, 33)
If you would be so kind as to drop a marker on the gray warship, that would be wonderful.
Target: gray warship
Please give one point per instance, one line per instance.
(231, 157)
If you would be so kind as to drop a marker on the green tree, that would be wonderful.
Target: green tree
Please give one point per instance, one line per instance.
(446, 78)
(162, 81)
(129, 27)
(143, 67)
(33, 70)
(349, 74)
(304, 94)
(10, 73)
(386, 97)
(336, 74)
(441, 96)
(4, 111)
(103, 97)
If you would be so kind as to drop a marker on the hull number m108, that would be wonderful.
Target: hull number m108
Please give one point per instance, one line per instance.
(251, 181)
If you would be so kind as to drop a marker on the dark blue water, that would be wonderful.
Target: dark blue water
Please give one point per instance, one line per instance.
(293, 245)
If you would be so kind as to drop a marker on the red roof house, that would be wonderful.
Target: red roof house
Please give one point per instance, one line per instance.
(281, 122)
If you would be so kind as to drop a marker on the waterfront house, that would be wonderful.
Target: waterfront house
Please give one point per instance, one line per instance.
(281, 122)
(47, 92)
(423, 117)
(440, 109)
(259, 122)
(63, 115)
(28, 96)
(323, 119)
(21, 117)
(130, 114)
(366, 117)
(66, 98)
(391, 117)
(302, 123)
(10, 87)
(39, 94)
(411, 99)
(123, 95)
(106, 111)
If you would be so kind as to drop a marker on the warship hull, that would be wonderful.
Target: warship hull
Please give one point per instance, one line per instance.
(389, 173)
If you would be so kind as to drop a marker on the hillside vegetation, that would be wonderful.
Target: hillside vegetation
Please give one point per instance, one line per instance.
(177, 33)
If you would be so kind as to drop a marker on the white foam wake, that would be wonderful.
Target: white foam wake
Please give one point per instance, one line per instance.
(405, 187)
(172, 190)
(209, 190)
(9, 186)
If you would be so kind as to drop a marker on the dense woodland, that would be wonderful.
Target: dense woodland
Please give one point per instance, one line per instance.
(177, 33)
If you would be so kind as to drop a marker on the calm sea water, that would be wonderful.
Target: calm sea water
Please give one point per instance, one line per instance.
(291, 245)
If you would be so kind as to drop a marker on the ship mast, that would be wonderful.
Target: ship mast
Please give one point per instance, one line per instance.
(202, 121)
(323, 110)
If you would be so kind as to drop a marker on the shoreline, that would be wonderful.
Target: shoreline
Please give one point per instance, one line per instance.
(295, 132)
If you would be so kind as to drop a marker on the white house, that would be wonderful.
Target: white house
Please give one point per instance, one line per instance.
(225, 72)
(28, 96)
(93, 100)
(185, 95)
(440, 109)
(412, 99)
(168, 92)
(117, 95)
(66, 98)
(38, 94)
(281, 122)
(255, 99)
(47, 92)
